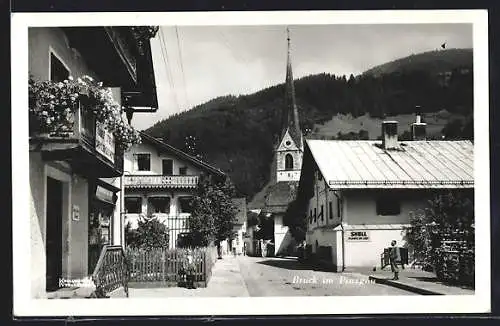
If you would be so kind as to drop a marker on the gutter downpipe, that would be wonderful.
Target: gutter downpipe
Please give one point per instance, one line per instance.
(341, 203)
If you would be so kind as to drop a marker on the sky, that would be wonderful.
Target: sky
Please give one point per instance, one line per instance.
(194, 64)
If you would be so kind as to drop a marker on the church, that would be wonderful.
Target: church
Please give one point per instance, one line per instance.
(286, 167)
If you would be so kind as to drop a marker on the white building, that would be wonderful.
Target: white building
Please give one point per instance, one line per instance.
(357, 196)
(240, 224)
(159, 181)
(75, 177)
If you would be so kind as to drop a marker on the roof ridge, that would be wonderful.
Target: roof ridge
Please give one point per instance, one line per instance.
(350, 164)
(182, 153)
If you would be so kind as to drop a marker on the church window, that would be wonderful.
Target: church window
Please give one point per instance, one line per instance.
(288, 162)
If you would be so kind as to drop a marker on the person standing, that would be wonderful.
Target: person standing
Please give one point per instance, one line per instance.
(395, 259)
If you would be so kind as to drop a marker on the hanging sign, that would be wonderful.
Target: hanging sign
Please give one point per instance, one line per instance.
(104, 142)
(354, 236)
(104, 194)
(76, 213)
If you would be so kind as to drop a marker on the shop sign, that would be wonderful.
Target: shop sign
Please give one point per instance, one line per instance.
(104, 194)
(358, 236)
(104, 142)
(76, 213)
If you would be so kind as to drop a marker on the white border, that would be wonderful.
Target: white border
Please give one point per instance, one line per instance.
(25, 306)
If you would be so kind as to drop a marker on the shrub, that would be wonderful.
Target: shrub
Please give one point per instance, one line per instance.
(150, 233)
(442, 236)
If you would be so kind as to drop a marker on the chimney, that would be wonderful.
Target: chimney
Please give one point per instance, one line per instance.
(418, 128)
(389, 134)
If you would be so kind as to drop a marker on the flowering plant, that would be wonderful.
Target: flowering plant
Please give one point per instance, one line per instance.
(52, 106)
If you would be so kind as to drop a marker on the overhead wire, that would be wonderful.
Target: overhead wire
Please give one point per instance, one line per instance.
(170, 77)
(182, 67)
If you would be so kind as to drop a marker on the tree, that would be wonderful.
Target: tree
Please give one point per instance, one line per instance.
(295, 219)
(449, 216)
(453, 129)
(405, 136)
(191, 147)
(213, 212)
(265, 227)
(150, 233)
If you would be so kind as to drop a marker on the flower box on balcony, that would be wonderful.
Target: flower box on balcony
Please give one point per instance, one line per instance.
(58, 109)
(81, 123)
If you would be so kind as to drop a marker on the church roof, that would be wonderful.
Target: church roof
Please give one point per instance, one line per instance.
(280, 195)
(291, 113)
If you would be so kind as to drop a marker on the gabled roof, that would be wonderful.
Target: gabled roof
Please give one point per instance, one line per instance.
(182, 155)
(415, 164)
(280, 195)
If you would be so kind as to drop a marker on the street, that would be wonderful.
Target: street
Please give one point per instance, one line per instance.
(244, 276)
(287, 277)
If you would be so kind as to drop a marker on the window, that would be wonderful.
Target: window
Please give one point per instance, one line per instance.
(185, 205)
(58, 71)
(330, 212)
(288, 162)
(183, 170)
(387, 205)
(314, 214)
(133, 205)
(310, 216)
(167, 167)
(321, 213)
(144, 162)
(159, 205)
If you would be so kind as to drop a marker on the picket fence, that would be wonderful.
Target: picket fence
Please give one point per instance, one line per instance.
(162, 267)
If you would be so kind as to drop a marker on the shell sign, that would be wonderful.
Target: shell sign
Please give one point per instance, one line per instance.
(358, 236)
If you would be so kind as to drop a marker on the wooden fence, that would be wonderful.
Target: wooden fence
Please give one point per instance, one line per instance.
(162, 267)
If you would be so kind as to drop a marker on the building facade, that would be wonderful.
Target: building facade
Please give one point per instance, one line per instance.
(358, 196)
(75, 176)
(159, 182)
(240, 225)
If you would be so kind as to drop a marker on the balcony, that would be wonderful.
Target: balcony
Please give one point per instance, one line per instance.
(86, 145)
(161, 181)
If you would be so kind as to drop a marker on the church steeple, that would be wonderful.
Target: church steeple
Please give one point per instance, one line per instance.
(290, 148)
(291, 113)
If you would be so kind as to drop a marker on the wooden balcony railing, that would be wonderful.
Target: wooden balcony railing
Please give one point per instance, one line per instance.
(111, 271)
(181, 181)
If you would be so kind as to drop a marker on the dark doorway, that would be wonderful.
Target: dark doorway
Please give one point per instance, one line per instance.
(54, 233)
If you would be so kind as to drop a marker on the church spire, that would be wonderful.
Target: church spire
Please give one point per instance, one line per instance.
(291, 114)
